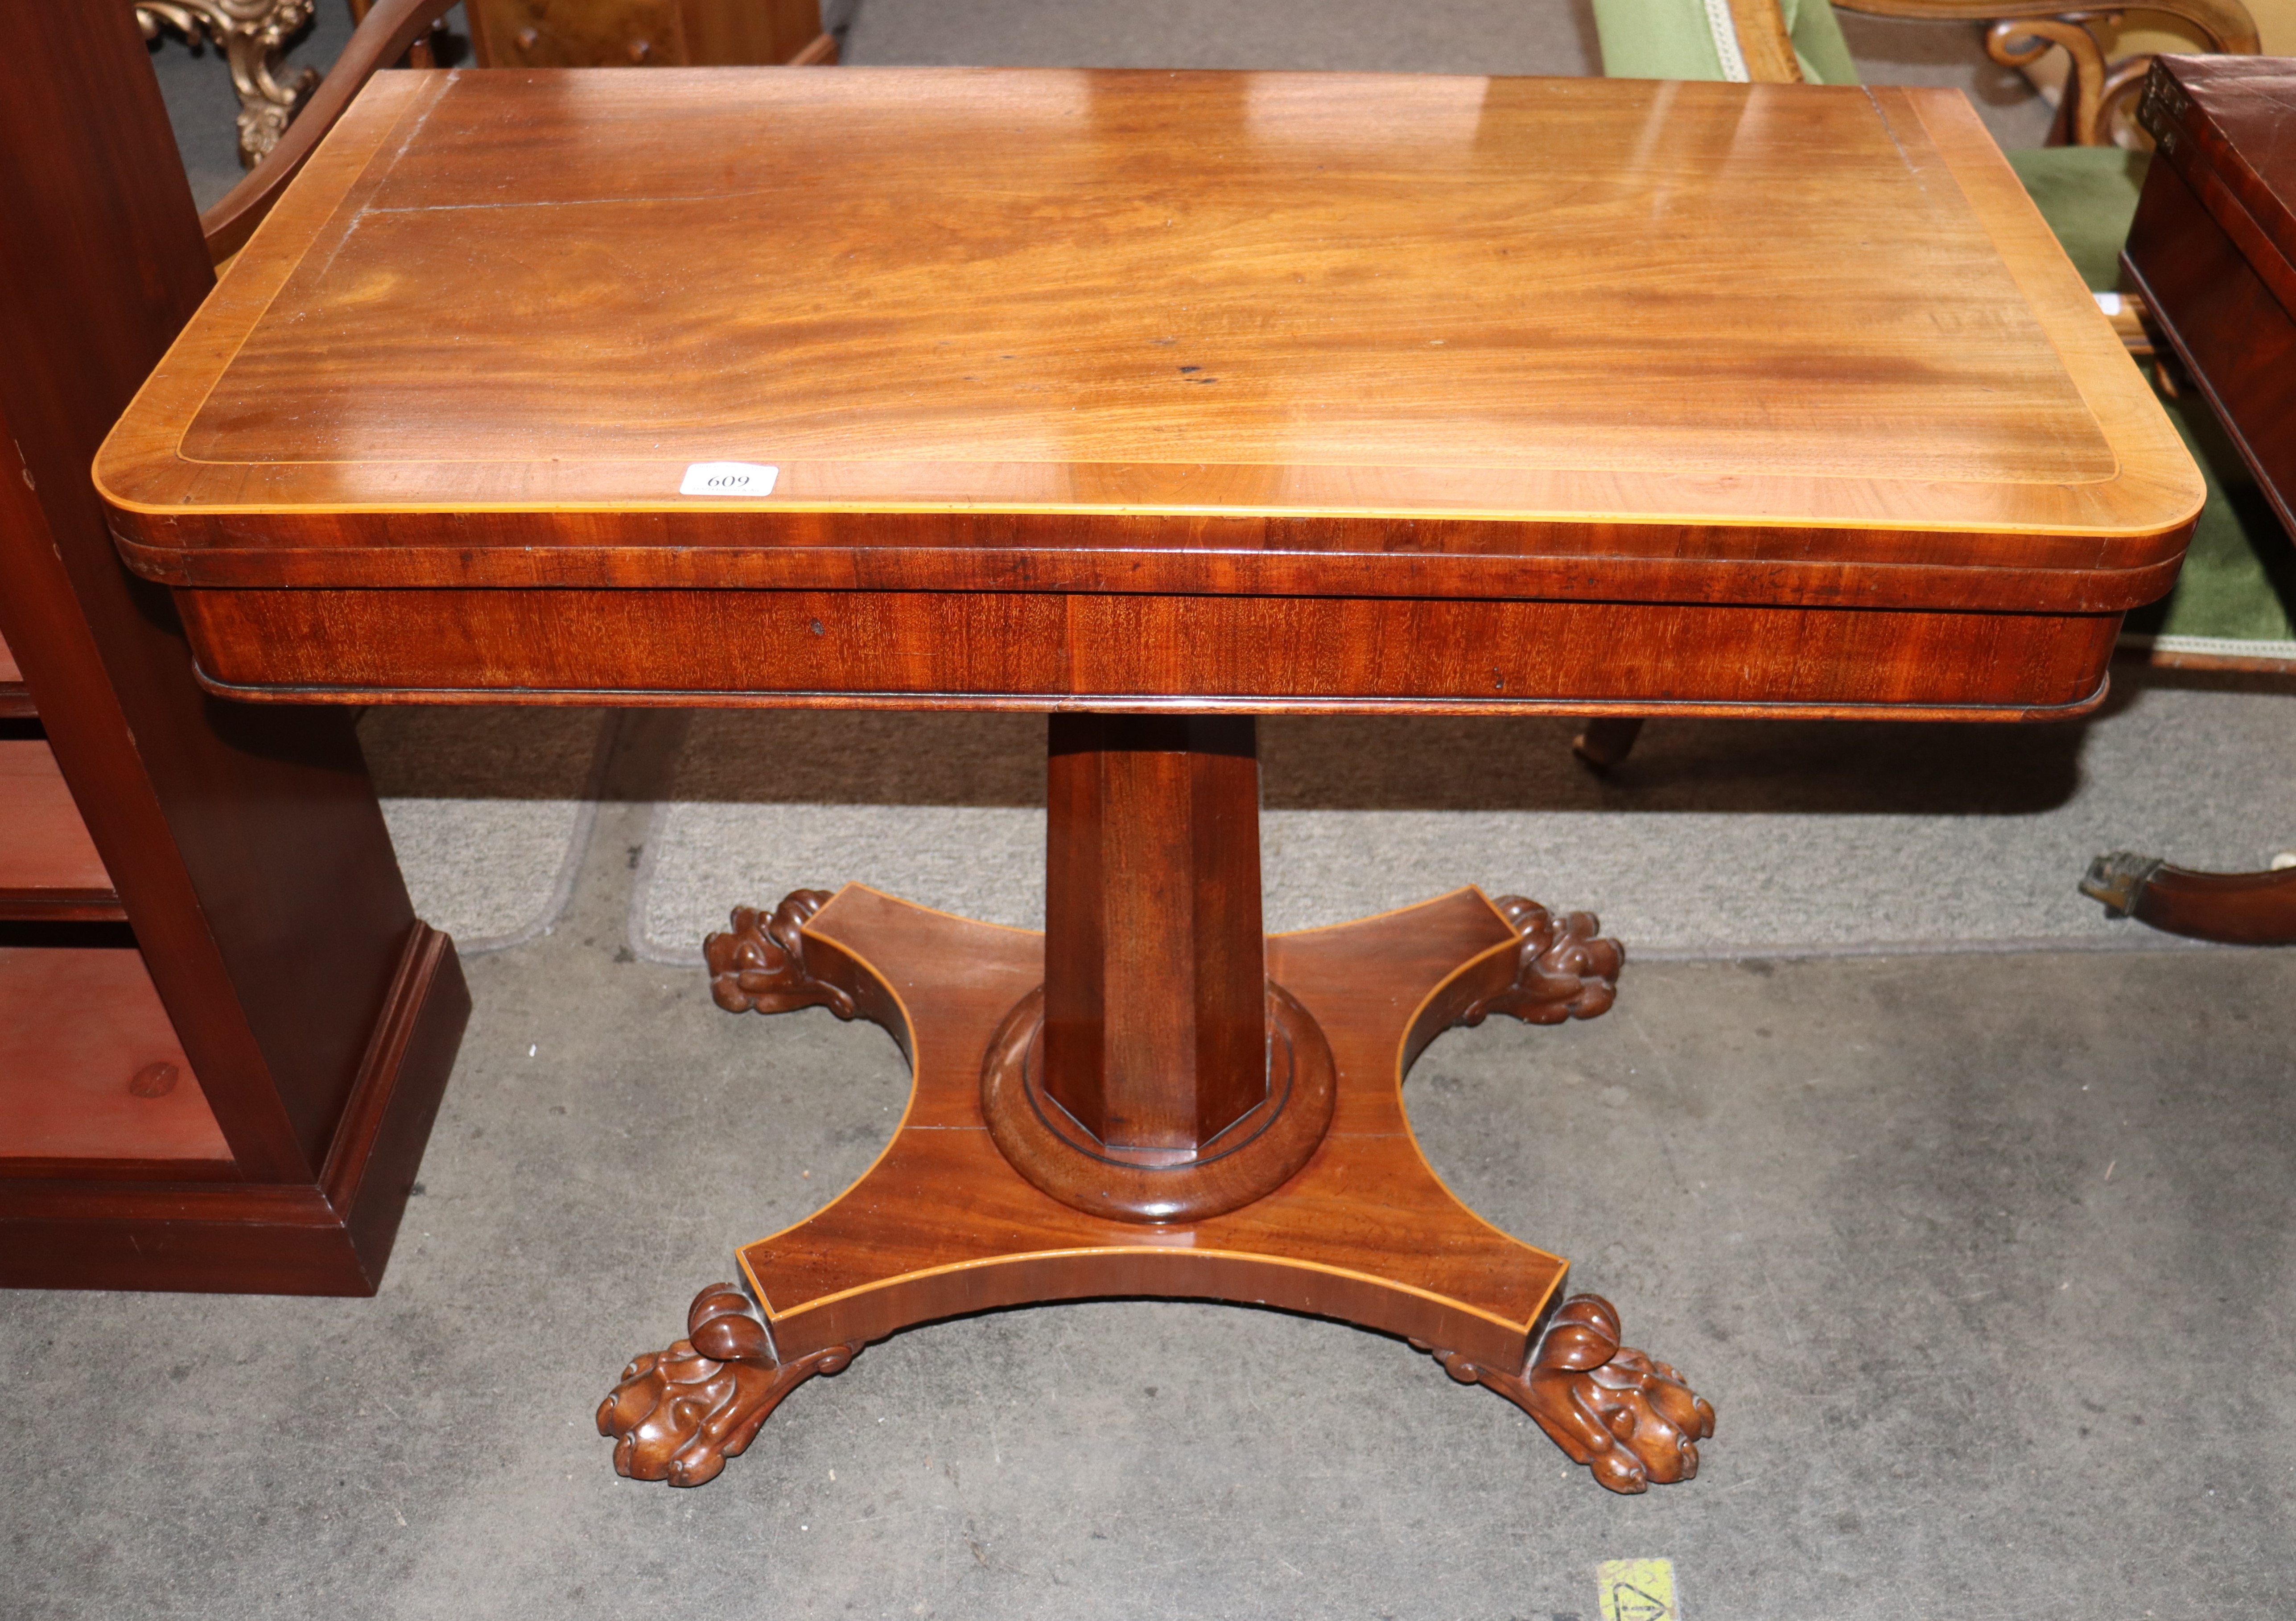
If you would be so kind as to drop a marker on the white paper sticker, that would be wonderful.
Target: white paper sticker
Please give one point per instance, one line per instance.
(728, 478)
(2109, 302)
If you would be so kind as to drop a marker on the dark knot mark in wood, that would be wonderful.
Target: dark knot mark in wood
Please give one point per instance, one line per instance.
(678, 1414)
(1630, 1419)
(761, 965)
(1249, 1159)
(1567, 970)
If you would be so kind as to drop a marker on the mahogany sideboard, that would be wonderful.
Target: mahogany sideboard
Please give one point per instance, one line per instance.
(1156, 402)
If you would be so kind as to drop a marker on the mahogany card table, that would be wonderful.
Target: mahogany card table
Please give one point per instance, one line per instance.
(1155, 402)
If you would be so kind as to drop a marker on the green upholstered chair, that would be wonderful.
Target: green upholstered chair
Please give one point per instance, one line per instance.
(2085, 188)
(2240, 573)
(1709, 39)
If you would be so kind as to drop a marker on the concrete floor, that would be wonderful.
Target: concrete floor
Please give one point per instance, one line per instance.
(1985, 1262)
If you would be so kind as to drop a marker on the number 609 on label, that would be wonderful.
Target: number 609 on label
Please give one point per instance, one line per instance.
(728, 478)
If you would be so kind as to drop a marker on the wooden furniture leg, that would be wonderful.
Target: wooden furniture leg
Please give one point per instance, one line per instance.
(1152, 1099)
(2237, 908)
(1606, 741)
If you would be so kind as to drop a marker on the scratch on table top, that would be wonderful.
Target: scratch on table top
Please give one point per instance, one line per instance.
(1904, 157)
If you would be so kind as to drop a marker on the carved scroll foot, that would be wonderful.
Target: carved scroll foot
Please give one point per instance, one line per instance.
(678, 1414)
(760, 965)
(1630, 1419)
(1567, 968)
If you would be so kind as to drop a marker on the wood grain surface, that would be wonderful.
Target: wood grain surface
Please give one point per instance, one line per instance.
(2230, 117)
(1155, 1032)
(15, 697)
(49, 867)
(121, 1223)
(646, 33)
(1111, 650)
(2213, 248)
(1365, 1231)
(77, 1028)
(2240, 908)
(1466, 335)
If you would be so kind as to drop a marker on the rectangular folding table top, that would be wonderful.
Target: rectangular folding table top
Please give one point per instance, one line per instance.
(1270, 335)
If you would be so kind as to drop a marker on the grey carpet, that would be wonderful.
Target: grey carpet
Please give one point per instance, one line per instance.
(1537, 36)
(1715, 837)
(488, 810)
(1985, 1261)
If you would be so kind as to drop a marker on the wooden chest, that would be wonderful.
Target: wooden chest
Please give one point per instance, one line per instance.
(2213, 247)
(647, 33)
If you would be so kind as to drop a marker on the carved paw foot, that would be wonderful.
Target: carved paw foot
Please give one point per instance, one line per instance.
(1567, 970)
(678, 1414)
(1630, 1419)
(760, 965)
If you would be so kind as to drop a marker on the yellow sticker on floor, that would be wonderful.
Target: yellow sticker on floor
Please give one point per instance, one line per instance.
(1637, 1590)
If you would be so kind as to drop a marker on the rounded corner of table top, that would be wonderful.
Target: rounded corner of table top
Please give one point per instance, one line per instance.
(124, 473)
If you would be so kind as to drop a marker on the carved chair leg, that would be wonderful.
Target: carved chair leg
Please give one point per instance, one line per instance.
(678, 1414)
(1630, 1419)
(2237, 908)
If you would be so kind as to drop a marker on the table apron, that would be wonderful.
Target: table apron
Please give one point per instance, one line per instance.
(1050, 650)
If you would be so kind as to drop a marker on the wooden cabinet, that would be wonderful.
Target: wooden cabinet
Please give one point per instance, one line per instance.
(224, 1033)
(647, 33)
(2213, 247)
